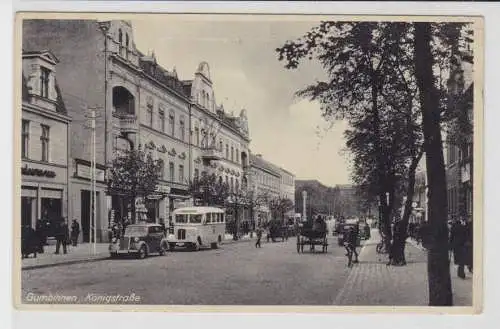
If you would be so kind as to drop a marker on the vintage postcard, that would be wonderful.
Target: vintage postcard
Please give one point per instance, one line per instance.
(250, 163)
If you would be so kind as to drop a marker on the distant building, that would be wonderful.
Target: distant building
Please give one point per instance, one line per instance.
(44, 141)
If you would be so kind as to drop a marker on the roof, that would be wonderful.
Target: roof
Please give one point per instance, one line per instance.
(198, 210)
(260, 163)
(150, 67)
(143, 224)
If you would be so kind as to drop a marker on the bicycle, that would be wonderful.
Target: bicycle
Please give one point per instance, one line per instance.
(350, 252)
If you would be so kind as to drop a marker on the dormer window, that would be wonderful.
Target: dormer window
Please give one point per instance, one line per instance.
(44, 82)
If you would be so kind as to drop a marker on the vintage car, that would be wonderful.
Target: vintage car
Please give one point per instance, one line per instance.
(344, 228)
(140, 240)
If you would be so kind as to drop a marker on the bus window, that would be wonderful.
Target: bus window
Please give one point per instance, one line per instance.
(181, 218)
(217, 216)
(222, 218)
(208, 217)
(195, 219)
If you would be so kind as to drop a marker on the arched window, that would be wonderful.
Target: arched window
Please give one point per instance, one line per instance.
(120, 41)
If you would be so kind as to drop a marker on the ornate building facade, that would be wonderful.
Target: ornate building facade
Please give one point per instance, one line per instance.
(139, 103)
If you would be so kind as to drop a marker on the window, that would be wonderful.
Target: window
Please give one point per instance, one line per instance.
(171, 171)
(182, 129)
(232, 153)
(162, 169)
(197, 135)
(237, 156)
(44, 82)
(227, 151)
(126, 45)
(237, 185)
(195, 219)
(120, 41)
(221, 147)
(162, 119)
(181, 173)
(171, 118)
(45, 142)
(25, 137)
(208, 218)
(196, 173)
(232, 184)
(150, 113)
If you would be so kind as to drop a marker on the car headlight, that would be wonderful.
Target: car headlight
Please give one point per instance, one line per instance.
(136, 239)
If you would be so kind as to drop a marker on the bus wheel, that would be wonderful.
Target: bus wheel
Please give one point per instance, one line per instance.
(214, 245)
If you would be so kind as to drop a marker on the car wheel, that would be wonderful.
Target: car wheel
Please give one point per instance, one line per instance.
(214, 245)
(171, 246)
(142, 252)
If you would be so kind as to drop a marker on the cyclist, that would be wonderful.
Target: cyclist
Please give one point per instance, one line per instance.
(350, 245)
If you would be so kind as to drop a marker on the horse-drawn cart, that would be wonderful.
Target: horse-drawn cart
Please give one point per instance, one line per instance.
(312, 233)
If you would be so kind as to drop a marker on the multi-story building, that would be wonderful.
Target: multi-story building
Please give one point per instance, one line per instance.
(138, 103)
(287, 189)
(44, 141)
(459, 140)
(265, 183)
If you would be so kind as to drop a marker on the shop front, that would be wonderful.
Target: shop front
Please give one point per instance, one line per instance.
(44, 196)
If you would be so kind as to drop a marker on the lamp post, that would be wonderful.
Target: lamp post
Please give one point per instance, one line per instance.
(304, 197)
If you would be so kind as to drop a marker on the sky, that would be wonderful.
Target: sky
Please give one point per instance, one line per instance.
(246, 73)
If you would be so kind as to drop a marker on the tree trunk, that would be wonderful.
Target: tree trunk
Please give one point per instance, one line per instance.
(401, 234)
(438, 267)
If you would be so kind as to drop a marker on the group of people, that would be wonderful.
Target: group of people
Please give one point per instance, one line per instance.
(33, 241)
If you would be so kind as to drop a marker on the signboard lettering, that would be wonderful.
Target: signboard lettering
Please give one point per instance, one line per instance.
(37, 172)
(84, 171)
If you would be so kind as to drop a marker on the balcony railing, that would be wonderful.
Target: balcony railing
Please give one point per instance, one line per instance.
(211, 154)
(127, 122)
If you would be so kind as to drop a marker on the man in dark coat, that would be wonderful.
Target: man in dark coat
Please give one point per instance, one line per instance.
(469, 238)
(458, 238)
(75, 232)
(61, 235)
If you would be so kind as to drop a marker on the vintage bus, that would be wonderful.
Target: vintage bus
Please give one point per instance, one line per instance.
(197, 227)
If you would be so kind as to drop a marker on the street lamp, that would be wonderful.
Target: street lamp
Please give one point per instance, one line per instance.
(304, 197)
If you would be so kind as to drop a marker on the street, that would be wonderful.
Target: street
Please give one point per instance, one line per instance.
(235, 274)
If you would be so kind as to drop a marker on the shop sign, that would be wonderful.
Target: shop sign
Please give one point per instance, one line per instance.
(162, 189)
(37, 172)
(84, 171)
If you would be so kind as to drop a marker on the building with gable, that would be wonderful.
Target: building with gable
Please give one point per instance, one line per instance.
(139, 104)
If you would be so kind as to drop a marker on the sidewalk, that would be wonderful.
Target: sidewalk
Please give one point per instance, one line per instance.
(84, 253)
(81, 253)
(372, 282)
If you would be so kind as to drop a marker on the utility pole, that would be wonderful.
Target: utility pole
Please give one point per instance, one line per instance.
(93, 218)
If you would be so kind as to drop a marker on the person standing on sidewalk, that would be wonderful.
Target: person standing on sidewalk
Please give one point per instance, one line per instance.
(351, 242)
(259, 236)
(469, 238)
(457, 243)
(61, 235)
(75, 232)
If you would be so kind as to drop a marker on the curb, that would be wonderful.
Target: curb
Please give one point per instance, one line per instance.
(69, 262)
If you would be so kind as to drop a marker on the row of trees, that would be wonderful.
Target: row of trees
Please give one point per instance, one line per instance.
(388, 81)
(136, 174)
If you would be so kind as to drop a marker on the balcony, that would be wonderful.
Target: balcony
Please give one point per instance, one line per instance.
(209, 154)
(126, 123)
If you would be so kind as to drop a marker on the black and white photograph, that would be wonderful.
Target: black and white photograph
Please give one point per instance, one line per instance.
(248, 160)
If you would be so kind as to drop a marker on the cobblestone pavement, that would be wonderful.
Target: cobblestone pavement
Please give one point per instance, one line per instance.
(372, 282)
(236, 274)
(240, 274)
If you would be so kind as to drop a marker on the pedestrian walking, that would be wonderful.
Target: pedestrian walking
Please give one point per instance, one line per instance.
(350, 245)
(458, 238)
(469, 238)
(61, 235)
(259, 236)
(75, 232)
